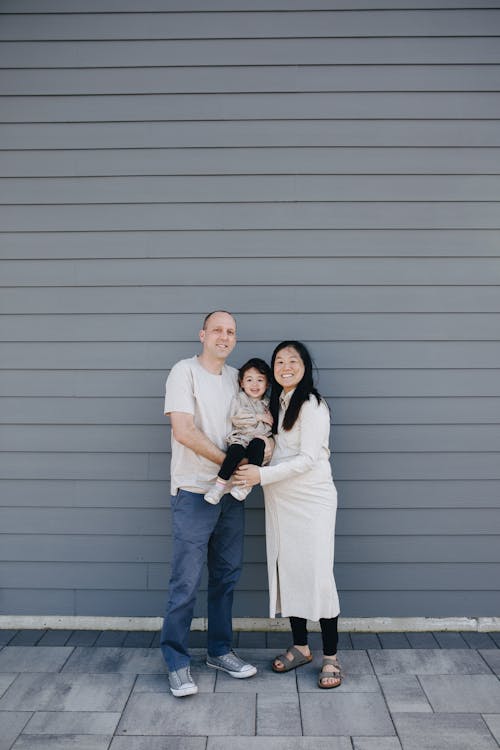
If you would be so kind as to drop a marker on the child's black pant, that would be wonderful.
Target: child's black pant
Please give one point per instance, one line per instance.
(235, 453)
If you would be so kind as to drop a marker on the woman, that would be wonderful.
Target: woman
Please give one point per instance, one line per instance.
(301, 505)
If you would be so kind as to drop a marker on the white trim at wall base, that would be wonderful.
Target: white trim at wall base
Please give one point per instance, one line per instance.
(248, 624)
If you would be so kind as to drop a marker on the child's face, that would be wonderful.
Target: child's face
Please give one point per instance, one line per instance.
(254, 383)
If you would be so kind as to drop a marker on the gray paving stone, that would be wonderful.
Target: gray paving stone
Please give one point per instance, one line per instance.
(450, 640)
(156, 641)
(158, 683)
(197, 639)
(345, 642)
(307, 681)
(279, 640)
(83, 638)
(33, 659)
(278, 714)
(335, 713)
(68, 692)
(139, 639)
(62, 742)
(72, 722)
(111, 638)
(365, 641)
(6, 681)
(198, 715)
(376, 743)
(105, 660)
(492, 658)
(393, 640)
(404, 693)
(158, 743)
(315, 642)
(428, 661)
(11, 725)
(279, 743)
(422, 640)
(443, 732)
(478, 640)
(27, 637)
(55, 638)
(352, 662)
(6, 636)
(252, 640)
(264, 681)
(493, 722)
(476, 693)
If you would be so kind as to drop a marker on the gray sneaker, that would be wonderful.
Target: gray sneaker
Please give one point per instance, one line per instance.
(232, 664)
(181, 682)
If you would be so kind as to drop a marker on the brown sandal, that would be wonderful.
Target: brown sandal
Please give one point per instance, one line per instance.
(298, 660)
(336, 674)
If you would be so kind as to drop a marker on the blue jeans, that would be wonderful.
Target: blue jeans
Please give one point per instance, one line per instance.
(202, 533)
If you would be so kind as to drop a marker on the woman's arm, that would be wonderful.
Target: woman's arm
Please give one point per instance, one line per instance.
(314, 426)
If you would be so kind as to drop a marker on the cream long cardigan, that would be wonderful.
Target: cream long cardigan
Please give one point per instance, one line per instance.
(301, 506)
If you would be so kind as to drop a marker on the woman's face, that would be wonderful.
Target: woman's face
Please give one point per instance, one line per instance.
(288, 368)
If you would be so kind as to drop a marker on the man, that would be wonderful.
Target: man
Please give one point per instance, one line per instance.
(197, 399)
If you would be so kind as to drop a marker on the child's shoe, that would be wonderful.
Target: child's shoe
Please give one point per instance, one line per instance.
(214, 494)
(240, 493)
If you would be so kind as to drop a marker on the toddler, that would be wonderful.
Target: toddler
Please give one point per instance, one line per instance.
(251, 421)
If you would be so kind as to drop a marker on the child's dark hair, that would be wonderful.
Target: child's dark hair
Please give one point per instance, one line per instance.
(259, 365)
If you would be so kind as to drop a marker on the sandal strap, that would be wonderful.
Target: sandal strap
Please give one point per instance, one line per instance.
(295, 651)
(283, 658)
(333, 661)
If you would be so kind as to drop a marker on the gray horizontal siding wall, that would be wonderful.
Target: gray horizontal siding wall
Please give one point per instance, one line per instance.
(326, 171)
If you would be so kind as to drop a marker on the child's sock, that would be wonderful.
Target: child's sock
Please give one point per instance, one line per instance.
(214, 494)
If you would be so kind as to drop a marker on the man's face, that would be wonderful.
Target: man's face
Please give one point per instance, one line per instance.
(219, 335)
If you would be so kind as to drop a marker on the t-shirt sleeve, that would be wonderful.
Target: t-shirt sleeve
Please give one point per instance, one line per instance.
(313, 418)
(179, 394)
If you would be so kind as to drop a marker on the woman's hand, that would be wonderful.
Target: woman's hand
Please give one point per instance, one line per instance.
(247, 476)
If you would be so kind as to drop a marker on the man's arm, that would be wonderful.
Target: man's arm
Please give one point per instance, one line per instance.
(186, 433)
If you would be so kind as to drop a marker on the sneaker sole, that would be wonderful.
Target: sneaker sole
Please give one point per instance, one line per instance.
(181, 692)
(236, 675)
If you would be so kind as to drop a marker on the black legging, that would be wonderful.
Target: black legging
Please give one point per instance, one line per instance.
(235, 453)
(329, 633)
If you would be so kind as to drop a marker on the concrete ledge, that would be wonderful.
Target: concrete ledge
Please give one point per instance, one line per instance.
(248, 624)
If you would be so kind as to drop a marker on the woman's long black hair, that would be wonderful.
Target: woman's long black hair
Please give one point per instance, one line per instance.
(301, 393)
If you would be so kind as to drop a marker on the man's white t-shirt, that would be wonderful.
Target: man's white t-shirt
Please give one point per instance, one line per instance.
(193, 390)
